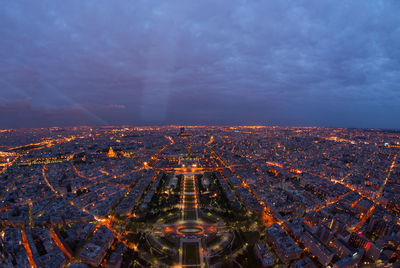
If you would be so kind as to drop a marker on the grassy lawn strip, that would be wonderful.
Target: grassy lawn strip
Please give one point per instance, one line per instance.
(191, 254)
(189, 215)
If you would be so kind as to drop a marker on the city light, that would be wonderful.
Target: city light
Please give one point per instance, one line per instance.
(167, 197)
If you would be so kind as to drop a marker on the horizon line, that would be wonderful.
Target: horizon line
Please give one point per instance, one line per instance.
(201, 125)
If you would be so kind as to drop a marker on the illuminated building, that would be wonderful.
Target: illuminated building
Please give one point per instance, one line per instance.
(283, 245)
(317, 248)
(111, 152)
(263, 254)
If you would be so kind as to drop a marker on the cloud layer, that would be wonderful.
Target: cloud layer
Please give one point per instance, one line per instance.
(100, 62)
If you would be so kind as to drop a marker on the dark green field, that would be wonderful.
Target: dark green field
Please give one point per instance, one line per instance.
(191, 254)
(189, 198)
(189, 215)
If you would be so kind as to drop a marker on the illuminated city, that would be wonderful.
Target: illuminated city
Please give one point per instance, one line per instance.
(193, 196)
(199, 134)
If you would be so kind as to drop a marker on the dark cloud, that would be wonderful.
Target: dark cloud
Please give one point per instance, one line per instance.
(200, 62)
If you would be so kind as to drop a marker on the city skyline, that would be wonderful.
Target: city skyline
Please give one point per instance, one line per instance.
(198, 197)
(295, 63)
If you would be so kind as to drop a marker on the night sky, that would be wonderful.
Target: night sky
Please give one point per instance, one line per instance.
(101, 62)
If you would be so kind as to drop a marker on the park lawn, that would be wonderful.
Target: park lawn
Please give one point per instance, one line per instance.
(191, 254)
(189, 215)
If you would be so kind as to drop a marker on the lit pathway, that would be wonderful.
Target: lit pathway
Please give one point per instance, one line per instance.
(189, 200)
(191, 251)
(377, 199)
